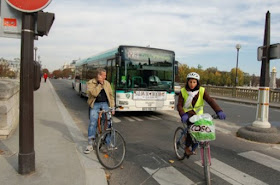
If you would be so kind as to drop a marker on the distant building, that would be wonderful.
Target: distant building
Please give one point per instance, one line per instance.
(67, 65)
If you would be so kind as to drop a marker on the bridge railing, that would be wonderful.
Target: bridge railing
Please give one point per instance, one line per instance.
(240, 93)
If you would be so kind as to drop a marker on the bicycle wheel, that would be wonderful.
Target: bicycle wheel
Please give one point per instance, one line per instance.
(179, 142)
(206, 162)
(110, 149)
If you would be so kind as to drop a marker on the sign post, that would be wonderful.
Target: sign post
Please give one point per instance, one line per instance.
(28, 9)
(263, 96)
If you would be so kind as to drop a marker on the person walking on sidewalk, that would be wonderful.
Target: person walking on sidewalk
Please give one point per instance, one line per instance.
(100, 95)
(45, 76)
(191, 102)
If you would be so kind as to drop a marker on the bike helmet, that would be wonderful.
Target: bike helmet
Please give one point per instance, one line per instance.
(193, 75)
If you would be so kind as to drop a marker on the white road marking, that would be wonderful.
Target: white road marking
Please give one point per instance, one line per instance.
(222, 130)
(168, 175)
(116, 120)
(231, 174)
(155, 117)
(128, 118)
(149, 118)
(263, 159)
(136, 118)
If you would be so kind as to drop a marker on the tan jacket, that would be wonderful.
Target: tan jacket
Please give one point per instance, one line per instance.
(94, 88)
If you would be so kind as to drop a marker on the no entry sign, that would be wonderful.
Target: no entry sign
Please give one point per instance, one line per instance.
(29, 5)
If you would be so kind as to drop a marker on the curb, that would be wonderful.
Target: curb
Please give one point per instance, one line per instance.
(263, 135)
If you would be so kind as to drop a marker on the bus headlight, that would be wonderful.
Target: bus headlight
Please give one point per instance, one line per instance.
(123, 102)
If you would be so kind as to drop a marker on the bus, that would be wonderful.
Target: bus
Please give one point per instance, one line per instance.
(142, 78)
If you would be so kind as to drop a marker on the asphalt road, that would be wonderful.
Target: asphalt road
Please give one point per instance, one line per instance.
(150, 157)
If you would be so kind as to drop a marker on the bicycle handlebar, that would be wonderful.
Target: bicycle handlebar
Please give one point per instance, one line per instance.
(111, 109)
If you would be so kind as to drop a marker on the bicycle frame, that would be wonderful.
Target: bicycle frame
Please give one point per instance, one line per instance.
(205, 153)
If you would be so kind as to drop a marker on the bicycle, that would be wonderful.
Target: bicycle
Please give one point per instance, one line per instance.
(110, 145)
(197, 132)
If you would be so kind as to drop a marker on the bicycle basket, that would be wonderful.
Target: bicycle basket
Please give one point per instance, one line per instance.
(203, 128)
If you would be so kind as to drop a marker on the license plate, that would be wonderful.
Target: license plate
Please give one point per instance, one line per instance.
(149, 95)
(149, 108)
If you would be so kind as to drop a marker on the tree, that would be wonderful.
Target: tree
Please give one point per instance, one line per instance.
(240, 76)
(57, 74)
(4, 69)
(45, 70)
(67, 73)
(183, 70)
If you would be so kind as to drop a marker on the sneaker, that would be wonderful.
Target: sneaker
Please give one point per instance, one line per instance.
(112, 147)
(88, 149)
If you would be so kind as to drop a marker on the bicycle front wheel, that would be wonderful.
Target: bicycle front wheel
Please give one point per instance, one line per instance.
(206, 162)
(179, 142)
(111, 149)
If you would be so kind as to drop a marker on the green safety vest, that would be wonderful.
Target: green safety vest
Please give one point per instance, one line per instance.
(198, 107)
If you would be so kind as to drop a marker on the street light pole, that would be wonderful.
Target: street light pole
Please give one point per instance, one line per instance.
(238, 46)
(35, 49)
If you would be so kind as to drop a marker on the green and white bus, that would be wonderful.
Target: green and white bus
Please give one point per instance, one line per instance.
(142, 78)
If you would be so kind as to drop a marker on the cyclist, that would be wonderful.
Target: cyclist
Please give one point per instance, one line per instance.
(191, 102)
(100, 96)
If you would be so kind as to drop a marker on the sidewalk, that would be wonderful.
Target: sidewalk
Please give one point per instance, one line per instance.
(58, 148)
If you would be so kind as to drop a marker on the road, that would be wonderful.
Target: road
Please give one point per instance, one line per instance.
(149, 138)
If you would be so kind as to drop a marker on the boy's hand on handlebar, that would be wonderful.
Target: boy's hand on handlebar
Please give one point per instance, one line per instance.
(221, 115)
(185, 118)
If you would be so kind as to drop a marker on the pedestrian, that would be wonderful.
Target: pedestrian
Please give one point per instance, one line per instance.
(100, 96)
(45, 76)
(191, 102)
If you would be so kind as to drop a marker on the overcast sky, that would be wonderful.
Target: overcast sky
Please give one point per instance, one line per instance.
(201, 32)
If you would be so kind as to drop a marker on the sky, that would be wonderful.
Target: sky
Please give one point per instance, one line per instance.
(200, 32)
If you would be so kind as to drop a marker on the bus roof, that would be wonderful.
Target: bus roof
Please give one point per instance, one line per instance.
(110, 53)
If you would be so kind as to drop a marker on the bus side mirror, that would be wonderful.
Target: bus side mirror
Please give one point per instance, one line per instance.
(37, 75)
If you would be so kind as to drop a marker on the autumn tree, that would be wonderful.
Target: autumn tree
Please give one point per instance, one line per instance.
(67, 73)
(57, 74)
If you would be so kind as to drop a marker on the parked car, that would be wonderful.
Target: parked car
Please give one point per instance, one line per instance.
(177, 87)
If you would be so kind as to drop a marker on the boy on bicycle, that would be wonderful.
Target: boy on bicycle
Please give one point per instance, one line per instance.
(191, 102)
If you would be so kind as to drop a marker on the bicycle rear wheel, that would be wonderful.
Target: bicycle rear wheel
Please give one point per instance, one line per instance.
(111, 149)
(179, 142)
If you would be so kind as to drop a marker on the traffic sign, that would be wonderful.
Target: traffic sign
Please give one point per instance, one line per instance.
(29, 5)
(274, 52)
(10, 21)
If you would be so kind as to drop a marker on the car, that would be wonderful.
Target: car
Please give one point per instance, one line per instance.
(177, 88)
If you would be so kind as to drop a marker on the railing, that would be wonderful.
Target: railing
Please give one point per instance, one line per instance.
(242, 93)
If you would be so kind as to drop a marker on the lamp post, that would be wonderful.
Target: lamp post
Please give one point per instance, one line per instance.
(238, 46)
(35, 49)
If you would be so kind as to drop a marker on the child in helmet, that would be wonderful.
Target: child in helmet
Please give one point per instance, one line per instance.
(191, 102)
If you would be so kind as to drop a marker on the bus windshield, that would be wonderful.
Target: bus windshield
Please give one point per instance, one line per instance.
(146, 68)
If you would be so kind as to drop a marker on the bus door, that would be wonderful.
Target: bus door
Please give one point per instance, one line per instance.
(111, 72)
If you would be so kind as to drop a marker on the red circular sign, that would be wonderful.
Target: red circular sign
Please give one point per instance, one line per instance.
(29, 5)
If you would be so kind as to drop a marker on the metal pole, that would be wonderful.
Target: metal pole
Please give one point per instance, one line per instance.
(26, 156)
(35, 53)
(236, 77)
(264, 79)
(263, 97)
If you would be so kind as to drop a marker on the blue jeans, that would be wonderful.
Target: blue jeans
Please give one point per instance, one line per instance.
(93, 116)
